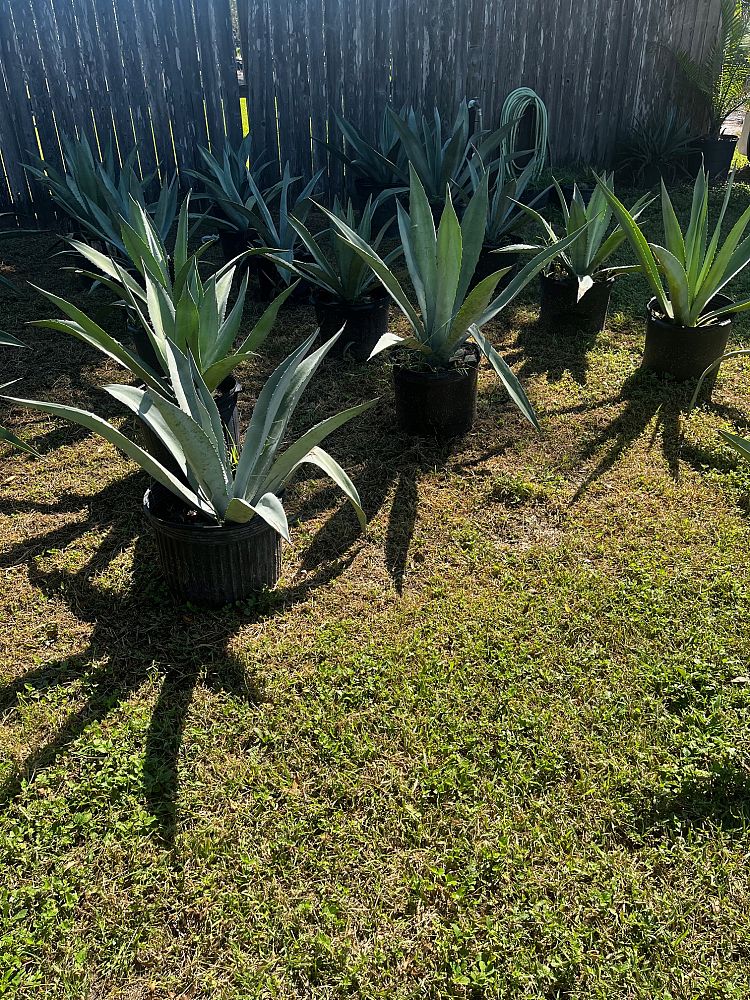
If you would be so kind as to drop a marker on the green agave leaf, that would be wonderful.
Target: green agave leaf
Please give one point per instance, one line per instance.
(329, 465)
(507, 377)
(643, 252)
(268, 507)
(11, 438)
(286, 463)
(104, 429)
(740, 445)
(8, 340)
(679, 293)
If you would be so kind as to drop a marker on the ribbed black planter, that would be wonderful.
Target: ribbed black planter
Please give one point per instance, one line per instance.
(440, 403)
(226, 396)
(684, 352)
(208, 564)
(364, 324)
(558, 305)
(490, 262)
(717, 156)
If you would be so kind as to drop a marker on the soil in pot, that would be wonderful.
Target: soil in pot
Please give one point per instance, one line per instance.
(208, 564)
(560, 308)
(489, 262)
(364, 324)
(439, 403)
(684, 352)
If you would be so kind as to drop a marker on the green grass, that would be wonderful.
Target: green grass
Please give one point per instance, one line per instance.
(497, 746)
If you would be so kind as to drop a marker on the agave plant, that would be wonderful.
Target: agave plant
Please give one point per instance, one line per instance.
(722, 78)
(695, 268)
(741, 445)
(5, 435)
(190, 429)
(343, 275)
(440, 163)
(441, 265)
(227, 186)
(657, 146)
(383, 164)
(504, 214)
(273, 217)
(172, 304)
(585, 259)
(96, 195)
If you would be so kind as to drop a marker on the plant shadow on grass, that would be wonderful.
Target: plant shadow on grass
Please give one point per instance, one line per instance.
(647, 399)
(722, 801)
(553, 350)
(388, 462)
(133, 634)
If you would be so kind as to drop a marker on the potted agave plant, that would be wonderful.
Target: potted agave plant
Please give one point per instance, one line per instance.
(436, 384)
(219, 524)
(230, 196)
(721, 80)
(170, 302)
(346, 292)
(576, 286)
(690, 316)
(272, 221)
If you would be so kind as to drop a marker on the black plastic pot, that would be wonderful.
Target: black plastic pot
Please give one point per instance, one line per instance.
(684, 352)
(559, 305)
(226, 396)
(489, 262)
(209, 564)
(440, 403)
(364, 324)
(717, 156)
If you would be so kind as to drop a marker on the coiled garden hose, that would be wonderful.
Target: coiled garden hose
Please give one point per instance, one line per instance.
(517, 103)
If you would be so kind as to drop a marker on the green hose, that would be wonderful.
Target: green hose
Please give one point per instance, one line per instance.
(517, 103)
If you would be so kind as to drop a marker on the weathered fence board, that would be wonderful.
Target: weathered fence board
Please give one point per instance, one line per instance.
(162, 73)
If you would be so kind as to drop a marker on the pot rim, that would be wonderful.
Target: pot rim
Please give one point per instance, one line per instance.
(570, 282)
(454, 372)
(373, 300)
(656, 317)
(201, 532)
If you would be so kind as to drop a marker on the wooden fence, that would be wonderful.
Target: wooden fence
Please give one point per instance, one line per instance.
(159, 74)
(598, 64)
(163, 73)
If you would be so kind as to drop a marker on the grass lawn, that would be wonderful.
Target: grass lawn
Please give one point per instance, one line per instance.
(497, 746)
